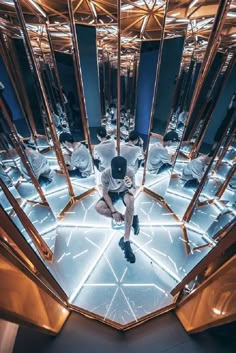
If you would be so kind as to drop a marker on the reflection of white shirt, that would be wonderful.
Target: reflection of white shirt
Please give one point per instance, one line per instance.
(80, 158)
(104, 152)
(38, 163)
(194, 169)
(132, 154)
(157, 156)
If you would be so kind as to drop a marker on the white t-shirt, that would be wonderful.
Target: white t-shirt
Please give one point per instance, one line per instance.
(132, 154)
(80, 158)
(38, 163)
(157, 156)
(104, 152)
(116, 185)
(194, 169)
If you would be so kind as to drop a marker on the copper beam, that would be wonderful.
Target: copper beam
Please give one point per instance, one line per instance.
(221, 190)
(213, 44)
(227, 240)
(78, 75)
(57, 146)
(55, 68)
(190, 208)
(13, 232)
(118, 77)
(36, 238)
(158, 69)
(201, 134)
(228, 142)
(12, 67)
(16, 142)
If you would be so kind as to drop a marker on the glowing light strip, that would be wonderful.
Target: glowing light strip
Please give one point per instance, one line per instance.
(193, 3)
(38, 8)
(130, 308)
(76, 291)
(112, 300)
(163, 267)
(143, 285)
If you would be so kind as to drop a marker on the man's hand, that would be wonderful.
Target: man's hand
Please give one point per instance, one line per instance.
(118, 217)
(127, 181)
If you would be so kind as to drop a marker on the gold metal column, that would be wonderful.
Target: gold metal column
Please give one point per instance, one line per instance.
(13, 71)
(228, 239)
(189, 211)
(17, 144)
(36, 238)
(213, 44)
(57, 146)
(15, 235)
(25, 299)
(118, 78)
(78, 75)
(158, 69)
(226, 182)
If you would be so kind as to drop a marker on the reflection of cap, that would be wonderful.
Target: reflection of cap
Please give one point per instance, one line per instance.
(171, 136)
(118, 167)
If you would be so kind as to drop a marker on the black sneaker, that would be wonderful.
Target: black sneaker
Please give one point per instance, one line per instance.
(125, 246)
(135, 225)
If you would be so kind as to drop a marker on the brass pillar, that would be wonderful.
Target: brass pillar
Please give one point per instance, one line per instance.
(13, 71)
(17, 144)
(15, 235)
(158, 69)
(78, 75)
(118, 78)
(44, 96)
(226, 182)
(36, 238)
(189, 211)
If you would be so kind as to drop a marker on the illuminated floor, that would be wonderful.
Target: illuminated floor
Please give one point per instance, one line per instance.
(88, 263)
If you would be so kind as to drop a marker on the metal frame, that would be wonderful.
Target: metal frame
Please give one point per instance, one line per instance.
(58, 150)
(36, 238)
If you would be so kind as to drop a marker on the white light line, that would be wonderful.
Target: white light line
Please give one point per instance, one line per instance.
(163, 267)
(93, 203)
(100, 285)
(91, 242)
(128, 304)
(76, 291)
(168, 232)
(81, 253)
(122, 277)
(85, 215)
(176, 269)
(193, 3)
(108, 309)
(143, 285)
(112, 270)
(159, 252)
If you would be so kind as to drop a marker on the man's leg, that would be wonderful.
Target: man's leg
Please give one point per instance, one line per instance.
(124, 242)
(129, 213)
(102, 208)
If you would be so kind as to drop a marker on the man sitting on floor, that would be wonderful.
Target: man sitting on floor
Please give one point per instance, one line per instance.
(131, 152)
(118, 183)
(76, 155)
(39, 165)
(104, 151)
(159, 158)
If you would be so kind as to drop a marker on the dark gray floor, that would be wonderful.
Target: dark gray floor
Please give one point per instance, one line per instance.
(163, 334)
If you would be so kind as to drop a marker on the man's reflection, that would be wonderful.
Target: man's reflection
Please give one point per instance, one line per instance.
(104, 151)
(194, 170)
(76, 156)
(39, 165)
(159, 158)
(132, 151)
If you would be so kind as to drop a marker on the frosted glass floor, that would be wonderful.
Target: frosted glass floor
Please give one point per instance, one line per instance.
(203, 217)
(122, 292)
(161, 185)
